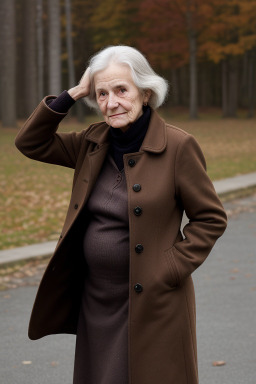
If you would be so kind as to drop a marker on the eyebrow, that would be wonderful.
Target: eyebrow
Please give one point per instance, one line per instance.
(120, 85)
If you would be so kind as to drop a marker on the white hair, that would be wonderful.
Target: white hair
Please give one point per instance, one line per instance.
(143, 75)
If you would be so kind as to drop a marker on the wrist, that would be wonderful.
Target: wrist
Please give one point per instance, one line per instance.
(74, 93)
(62, 103)
(78, 92)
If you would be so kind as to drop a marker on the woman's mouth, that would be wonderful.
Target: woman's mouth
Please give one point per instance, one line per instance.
(117, 114)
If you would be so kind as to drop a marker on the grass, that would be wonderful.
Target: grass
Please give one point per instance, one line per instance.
(238, 194)
(228, 144)
(34, 196)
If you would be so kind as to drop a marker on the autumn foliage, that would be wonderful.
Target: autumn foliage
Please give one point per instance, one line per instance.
(187, 33)
(205, 48)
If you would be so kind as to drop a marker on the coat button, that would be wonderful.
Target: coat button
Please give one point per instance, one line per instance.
(76, 206)
(137, 211)
(131, 163)
(138, 288)
(139, 248)
(136, 187)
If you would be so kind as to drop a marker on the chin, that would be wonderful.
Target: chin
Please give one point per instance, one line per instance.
(115, 124)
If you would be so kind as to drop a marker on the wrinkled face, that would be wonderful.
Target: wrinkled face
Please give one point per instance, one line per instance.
(119, 100)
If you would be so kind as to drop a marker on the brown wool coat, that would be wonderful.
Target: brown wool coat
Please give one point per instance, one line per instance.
(170, 170)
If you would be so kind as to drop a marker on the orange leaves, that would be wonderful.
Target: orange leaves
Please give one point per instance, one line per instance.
(114, 22)
(164, 34)
(22, 274)
(222, 29)
(219, 363)
(231, 31)
(160, 28)
(34, 198)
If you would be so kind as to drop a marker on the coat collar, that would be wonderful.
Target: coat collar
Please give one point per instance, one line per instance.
(156, 137)
(155, 140)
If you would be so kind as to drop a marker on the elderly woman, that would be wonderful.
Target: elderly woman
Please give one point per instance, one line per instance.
(120, 277)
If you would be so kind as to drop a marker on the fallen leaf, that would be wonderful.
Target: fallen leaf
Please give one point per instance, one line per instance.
(54, 363)
(26, 362)
(219, 363)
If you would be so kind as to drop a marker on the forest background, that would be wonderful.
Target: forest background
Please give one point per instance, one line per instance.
(205, 48)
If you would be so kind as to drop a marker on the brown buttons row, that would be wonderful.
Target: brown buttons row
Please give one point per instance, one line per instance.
(136, 187)
(131, 162)
(137, 211)
(138, 288)
(139, 248)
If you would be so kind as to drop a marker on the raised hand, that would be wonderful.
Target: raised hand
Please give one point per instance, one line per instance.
(83, 88)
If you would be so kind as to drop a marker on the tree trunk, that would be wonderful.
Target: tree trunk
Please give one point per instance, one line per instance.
(54, 44)
(216, 84)
(174, 87)
(71, 69)
(193, 75)
(8, 61)
(251, 84)
(205, 86)
(224, 69)
(30, 68)
(233, 87)
(78, 107)
(183, 85)
(243, 86)
(40, 48)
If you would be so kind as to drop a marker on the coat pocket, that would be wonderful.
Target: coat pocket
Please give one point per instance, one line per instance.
(173, 271)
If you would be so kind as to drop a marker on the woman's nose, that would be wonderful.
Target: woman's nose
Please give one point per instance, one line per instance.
(112, 101)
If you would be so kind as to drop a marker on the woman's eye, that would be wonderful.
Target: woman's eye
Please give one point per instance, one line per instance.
(101, 94)
(122, 90)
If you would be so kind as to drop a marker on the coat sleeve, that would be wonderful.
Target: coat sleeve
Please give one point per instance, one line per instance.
(39, 140)
(207, 218)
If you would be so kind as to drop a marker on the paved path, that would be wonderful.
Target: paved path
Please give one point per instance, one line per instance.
(226, 316)
(232, 184)
(46, 249)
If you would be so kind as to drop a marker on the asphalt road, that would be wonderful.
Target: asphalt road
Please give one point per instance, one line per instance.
(226, 316)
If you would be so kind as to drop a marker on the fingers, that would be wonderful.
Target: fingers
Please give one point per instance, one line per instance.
(85, 79)
(83, 88)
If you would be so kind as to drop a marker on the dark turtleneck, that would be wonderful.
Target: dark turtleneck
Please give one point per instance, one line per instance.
(120, 142)
(129, 141)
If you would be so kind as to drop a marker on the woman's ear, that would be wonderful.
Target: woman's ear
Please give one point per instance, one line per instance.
(147, 95)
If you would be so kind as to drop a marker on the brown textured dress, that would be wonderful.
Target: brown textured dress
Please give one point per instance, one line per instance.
(102, 336)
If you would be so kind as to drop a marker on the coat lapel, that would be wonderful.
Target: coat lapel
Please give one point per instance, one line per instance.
(86, 179)
(156, 137)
